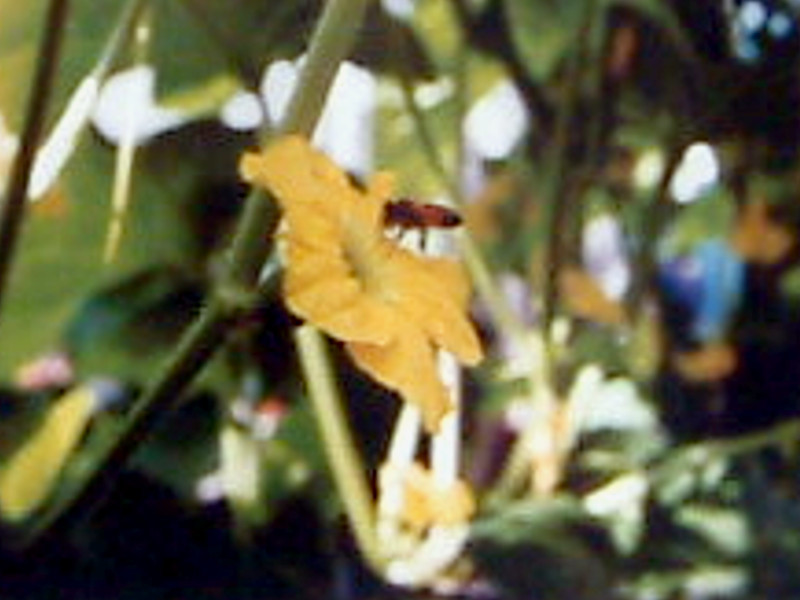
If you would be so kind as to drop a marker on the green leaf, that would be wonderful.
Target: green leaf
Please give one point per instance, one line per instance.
(140, 316)
(60, 253)
(196, 39)
(183, 448)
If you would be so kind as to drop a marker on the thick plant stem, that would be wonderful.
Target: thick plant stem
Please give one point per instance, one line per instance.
(334, 37)
(13, 209)
(332, 41)
(342, 454)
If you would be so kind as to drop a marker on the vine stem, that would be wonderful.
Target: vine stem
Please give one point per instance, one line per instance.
(340, 448)
(691, 457)
(13, 209)
(334, 37)
(197, 347)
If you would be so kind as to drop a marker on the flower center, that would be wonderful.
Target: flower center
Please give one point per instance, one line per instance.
(362, 253)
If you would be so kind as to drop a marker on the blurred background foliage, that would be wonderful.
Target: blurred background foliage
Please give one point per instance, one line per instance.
(627, 170)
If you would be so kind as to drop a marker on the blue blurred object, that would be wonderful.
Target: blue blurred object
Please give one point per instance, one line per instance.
(109, 394)
(708, 285)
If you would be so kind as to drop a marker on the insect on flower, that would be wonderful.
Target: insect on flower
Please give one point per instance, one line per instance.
(405, 213)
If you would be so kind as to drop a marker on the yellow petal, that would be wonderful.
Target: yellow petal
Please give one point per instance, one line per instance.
(28, 477)
(758, 237)
(312, 226)
(710, 363)
(381, 186)
(314, 299)
(433, 293)
(371, 205)
(365, 321)
(296, 173)
(321, 293)
(392, 307)
(453, 505)
(305, 264)
(586, 299)
(407, 365)
(427, 504)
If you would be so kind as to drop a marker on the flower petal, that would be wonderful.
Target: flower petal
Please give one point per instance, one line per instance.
(393, 308)
(407, 365)
(585, 298)
(427, 504)
(296, 173)
(434, 295)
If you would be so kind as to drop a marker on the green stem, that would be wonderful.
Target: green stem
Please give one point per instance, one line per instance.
(332, 41)
(13, 210)
(343, 457)
(330, 45)
(558, 190)
(196, 348)
(119, 37)
(690, 458)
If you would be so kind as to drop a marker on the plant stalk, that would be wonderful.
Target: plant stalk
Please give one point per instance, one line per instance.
(332, 41)
(558, 190)
(196, 348)
(343, 457)
(15, 200)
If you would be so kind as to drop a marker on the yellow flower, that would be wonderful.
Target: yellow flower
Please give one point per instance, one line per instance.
(585, 298)
(712, 362)
(391, 307)
(758, 237)
(426, 502)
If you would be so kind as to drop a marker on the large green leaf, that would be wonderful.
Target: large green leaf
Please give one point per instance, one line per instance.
(60, 255)
(242, 34)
